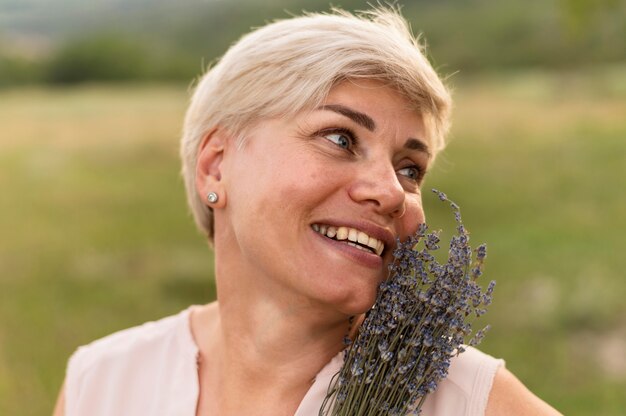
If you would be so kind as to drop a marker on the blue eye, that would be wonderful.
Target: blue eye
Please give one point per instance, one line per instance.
(411, 172)
(340, 139)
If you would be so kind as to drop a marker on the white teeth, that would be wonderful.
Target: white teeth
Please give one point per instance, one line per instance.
(357, 246)
(352, 235)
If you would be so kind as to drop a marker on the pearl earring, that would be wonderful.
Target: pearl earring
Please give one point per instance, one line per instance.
(212, 197)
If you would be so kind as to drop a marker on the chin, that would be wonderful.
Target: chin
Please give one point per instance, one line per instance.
(356, 303)
(345, 292)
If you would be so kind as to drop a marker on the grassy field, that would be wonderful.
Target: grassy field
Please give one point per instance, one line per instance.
(95, 235)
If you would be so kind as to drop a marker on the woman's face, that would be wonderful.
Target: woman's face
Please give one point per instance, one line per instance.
(314, 203)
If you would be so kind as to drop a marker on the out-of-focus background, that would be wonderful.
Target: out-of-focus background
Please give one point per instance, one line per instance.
(95, 235)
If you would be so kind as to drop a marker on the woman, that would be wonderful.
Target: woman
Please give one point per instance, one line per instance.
(304, 150)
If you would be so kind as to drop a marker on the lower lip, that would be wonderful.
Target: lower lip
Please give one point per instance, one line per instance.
(365, 258)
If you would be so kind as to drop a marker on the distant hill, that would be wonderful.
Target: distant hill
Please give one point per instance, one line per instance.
(174, 38)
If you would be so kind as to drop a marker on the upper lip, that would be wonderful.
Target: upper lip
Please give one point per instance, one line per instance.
(373, 230)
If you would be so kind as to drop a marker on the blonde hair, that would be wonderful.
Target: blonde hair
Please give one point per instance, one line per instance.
(290, 65)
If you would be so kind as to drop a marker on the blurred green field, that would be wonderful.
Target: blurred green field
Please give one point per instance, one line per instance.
(95, 234)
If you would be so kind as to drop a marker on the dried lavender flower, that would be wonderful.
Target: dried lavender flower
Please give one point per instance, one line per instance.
(420, 320)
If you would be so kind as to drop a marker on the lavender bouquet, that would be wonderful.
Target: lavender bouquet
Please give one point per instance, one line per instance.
(420, 320)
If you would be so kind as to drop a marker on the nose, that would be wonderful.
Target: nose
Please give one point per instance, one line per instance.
(379, 186)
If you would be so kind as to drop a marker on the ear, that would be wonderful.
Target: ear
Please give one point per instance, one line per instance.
(209, 166)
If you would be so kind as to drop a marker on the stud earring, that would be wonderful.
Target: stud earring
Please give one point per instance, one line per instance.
(212, 197)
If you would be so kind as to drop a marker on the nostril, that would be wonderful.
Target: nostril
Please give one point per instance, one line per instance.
(399, 212)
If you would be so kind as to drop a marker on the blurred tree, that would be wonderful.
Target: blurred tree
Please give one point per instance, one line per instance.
(177, 40)
(580, 14)
(15, 70)
(100, 57)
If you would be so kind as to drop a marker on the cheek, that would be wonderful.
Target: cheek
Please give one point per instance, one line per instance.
(413, 217)
(308, 178)
(293, 186)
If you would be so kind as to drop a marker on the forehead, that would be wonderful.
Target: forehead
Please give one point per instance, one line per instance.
(389, 110)
(369, 89)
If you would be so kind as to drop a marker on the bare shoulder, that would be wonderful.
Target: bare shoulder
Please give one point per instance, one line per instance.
(59, 409)
(510, 397)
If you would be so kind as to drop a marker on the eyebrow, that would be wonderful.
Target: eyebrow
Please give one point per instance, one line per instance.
(366, 121)
(359, 118)
(415, 144)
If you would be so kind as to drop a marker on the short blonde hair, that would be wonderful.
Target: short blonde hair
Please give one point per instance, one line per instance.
(290, 65)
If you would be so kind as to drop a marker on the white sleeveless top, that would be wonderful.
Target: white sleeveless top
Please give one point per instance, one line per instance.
(152, 370)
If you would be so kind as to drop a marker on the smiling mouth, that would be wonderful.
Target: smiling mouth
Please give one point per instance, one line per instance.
(352, 237)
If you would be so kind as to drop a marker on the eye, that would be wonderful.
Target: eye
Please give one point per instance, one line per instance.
(342, 138)
(414, 173)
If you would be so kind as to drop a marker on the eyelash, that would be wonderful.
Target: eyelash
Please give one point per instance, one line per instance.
(352, 140)
(420, 173)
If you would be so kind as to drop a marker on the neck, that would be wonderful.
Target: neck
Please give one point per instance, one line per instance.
(267, 342)
(267, 331)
